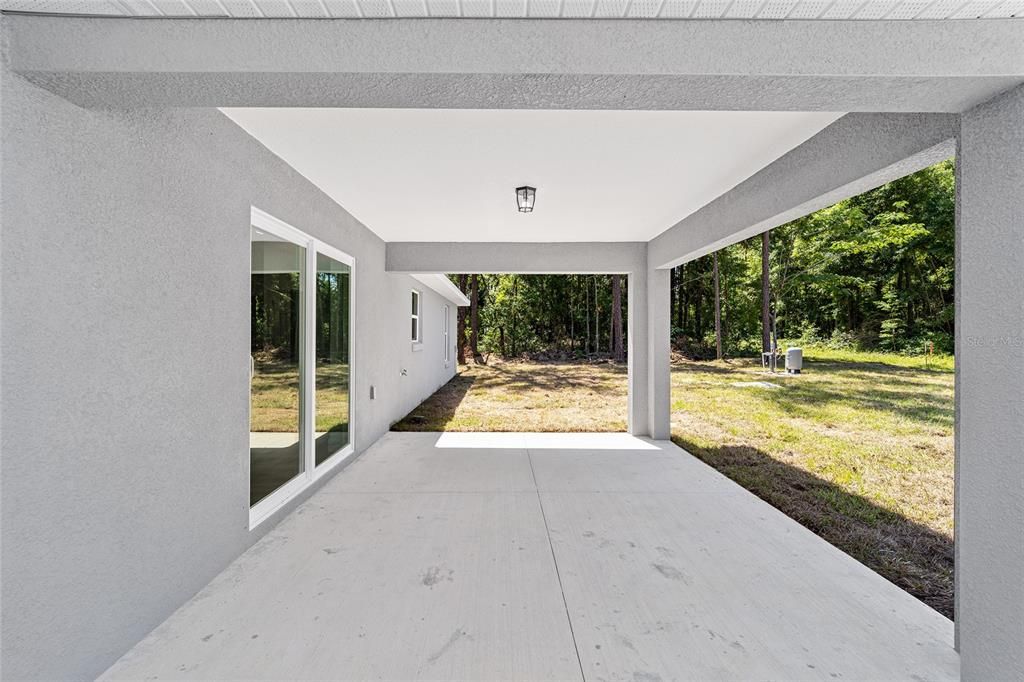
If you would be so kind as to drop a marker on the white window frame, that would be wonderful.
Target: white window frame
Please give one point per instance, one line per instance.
(417, 341)
(446, 312)
(270, 504)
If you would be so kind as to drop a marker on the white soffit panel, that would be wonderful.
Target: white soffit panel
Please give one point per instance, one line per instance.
(770, 10)
(450, 175)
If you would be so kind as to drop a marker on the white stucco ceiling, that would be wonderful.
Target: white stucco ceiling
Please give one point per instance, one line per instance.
(450, 175)
(666, 9)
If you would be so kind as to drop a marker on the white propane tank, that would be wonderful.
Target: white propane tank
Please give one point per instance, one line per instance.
(794, 360)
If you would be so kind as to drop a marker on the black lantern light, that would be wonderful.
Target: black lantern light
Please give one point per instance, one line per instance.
(525, 198)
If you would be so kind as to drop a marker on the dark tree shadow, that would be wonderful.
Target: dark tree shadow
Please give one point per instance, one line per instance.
(434, 413)
(522, 378)
(908, 554)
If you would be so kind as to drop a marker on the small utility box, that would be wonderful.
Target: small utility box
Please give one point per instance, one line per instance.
(794, 360)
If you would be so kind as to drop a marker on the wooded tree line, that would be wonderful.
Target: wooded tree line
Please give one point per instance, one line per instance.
(871, 272)
(566, 315)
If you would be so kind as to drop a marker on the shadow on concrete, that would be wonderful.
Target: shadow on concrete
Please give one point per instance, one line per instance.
(912, 556)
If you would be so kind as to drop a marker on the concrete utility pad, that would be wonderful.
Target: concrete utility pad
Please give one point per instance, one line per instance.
(543, 556)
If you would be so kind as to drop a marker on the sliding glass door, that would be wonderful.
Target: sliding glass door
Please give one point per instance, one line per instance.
(300, 361)
(275, 414)
(332, 356)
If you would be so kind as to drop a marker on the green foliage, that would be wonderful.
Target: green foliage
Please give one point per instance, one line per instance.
(872, 272)
(529, 314)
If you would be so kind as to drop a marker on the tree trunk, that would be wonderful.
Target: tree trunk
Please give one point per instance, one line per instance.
(586, 288)
(572, 316)
(460, 330)
(718, 312)
(681, 301)
(766, 317)
(597, 320)
(617, 349)
(514, 331)
(673, 289)
(474, 317)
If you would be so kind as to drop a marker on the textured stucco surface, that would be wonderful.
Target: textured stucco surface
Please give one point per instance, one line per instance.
(125, 332)
(856, 153)
(528, 63)
(519, 257)
(990, 406)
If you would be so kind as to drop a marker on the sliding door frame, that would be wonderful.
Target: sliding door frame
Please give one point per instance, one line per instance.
(307, 406)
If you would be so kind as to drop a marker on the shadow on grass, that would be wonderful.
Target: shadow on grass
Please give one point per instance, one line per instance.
(912, 556)
(438, 410)
(528, 377)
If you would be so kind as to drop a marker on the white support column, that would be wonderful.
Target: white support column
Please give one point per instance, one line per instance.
(637, 350)
(659, 328)
(989, 401)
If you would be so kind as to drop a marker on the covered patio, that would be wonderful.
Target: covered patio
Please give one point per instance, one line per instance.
(134, 195)
(542, 556)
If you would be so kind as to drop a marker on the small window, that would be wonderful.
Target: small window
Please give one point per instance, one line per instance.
(415, 316)
(444, 326)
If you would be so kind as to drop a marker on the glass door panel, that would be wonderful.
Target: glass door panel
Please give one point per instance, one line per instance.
(276, 363)
(333, 336)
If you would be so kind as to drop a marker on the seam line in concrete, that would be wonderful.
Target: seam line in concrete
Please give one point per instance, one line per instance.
(554, 560)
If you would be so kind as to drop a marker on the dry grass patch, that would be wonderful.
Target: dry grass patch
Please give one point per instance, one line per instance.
(526, 396)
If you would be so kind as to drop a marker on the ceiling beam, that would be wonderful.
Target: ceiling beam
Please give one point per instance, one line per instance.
(490, 63)
(526, 258)
(853, 155)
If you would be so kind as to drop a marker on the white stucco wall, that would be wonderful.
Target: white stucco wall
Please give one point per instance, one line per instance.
(124, 339)
(989, 405)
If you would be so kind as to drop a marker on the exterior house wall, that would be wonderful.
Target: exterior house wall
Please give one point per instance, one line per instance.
(125, 332)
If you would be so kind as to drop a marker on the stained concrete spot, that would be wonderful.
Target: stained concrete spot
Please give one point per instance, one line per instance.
(437, 574)
(332, 550)
(208, 637)
(455, 637)
(643, 676)
(664, 551)
(254, 637)
(671, 572)
(588, 533)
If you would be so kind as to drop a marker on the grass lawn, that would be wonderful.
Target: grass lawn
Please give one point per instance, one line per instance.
(522, 396)
(858, 448)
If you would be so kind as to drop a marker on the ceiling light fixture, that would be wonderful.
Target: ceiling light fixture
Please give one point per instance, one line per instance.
(525, 198)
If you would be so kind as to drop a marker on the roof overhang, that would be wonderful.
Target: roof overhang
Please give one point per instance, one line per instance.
(444, 286)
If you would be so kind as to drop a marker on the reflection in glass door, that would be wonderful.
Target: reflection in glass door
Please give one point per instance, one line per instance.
(300, 362)
(276, 363)
(332, 356)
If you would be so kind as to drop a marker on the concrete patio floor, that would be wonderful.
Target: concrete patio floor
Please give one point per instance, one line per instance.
(466, 556)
